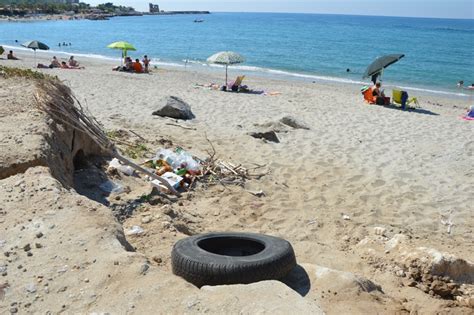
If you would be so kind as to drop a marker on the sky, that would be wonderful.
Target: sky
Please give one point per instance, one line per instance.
(417, 8)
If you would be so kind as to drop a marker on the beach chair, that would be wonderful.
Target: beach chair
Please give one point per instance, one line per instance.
(234, 86)
(401, 97)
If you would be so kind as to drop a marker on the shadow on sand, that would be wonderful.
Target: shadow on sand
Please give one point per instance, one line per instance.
(411, 110)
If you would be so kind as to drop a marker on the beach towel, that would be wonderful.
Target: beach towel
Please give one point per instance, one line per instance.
(470, 114)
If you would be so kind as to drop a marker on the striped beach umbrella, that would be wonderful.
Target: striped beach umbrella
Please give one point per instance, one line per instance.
(226, 58)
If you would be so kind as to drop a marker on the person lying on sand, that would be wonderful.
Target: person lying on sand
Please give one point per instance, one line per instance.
(10, 56)
(73, 62)
(55, 63)
(65, 66)
(43, 66)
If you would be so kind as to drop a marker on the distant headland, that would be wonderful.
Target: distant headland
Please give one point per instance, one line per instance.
(25, 10)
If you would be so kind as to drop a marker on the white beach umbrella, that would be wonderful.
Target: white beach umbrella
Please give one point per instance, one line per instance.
(226, 58)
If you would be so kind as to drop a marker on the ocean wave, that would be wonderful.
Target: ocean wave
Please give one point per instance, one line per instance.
(256, 69)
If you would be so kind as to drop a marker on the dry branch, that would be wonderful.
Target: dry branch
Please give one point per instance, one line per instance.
(55, 99)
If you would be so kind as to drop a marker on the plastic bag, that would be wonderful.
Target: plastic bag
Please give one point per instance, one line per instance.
(125, 169)
(111, 187)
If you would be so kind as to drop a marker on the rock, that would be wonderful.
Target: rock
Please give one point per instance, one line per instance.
(400, 273)
(395, 241)
(146, 219)
(39, 235)
(252, 299)
(62, 289)
(339, 281)
(31, 288)
(267, 135)
(175, 108)
(27, 247)
(440, 288)
(135, 230)
(157, 259)
(293, 123)
(13, 310)
(38, 245)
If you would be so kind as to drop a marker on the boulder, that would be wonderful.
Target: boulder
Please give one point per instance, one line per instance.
(265, 297)
(266, 135)
(174, 107)
(293, 123)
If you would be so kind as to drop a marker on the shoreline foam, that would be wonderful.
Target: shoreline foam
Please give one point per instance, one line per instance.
(255, 70)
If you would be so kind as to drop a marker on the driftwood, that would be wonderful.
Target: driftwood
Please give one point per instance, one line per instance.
(57, 100)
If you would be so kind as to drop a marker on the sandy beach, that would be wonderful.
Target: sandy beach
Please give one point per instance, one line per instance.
(358, 192)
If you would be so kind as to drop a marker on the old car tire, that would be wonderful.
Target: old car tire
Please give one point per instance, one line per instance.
(229, 258)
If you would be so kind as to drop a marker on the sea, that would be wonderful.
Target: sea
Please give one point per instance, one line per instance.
(311, 47)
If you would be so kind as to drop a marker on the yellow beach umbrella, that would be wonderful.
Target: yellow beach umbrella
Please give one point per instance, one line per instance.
(124, 46)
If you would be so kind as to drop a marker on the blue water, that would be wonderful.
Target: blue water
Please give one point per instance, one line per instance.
(439, 52)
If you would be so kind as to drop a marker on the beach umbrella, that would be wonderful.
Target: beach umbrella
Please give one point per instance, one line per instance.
(378, 65)
(226, 58)
(1, 50)
(124, 46)
(34, 44)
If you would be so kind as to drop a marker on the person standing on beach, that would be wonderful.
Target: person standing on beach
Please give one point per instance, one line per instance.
(146, 62)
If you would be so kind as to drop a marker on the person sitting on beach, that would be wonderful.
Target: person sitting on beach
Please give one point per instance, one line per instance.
(379, 95)
(73, 62)
(10, 56)
(146, 62)
(128, 64)
(137, 66)
(376, 90)
(55, 63)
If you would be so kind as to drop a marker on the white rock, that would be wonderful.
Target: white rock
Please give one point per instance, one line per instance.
(395, 241)
(146, 219)
(31, 288)
(135, 230)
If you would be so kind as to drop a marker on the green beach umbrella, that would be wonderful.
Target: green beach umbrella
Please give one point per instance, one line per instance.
(226, 58)
(1, 50)
(124, 46)
(34, 44)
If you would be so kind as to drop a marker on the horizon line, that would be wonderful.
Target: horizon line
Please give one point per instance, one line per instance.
(345, 14)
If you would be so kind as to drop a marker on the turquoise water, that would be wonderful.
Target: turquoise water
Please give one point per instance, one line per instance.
(439, 52)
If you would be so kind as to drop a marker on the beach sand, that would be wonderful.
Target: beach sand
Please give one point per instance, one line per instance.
(326, 189)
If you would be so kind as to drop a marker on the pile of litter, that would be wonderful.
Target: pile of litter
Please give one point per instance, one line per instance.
(182, 170)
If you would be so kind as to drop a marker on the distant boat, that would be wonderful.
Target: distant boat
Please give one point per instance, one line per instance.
(198, 21)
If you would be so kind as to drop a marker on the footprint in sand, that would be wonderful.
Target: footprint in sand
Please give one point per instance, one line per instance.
(378, 183)
(356, 178)
(469, 147)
